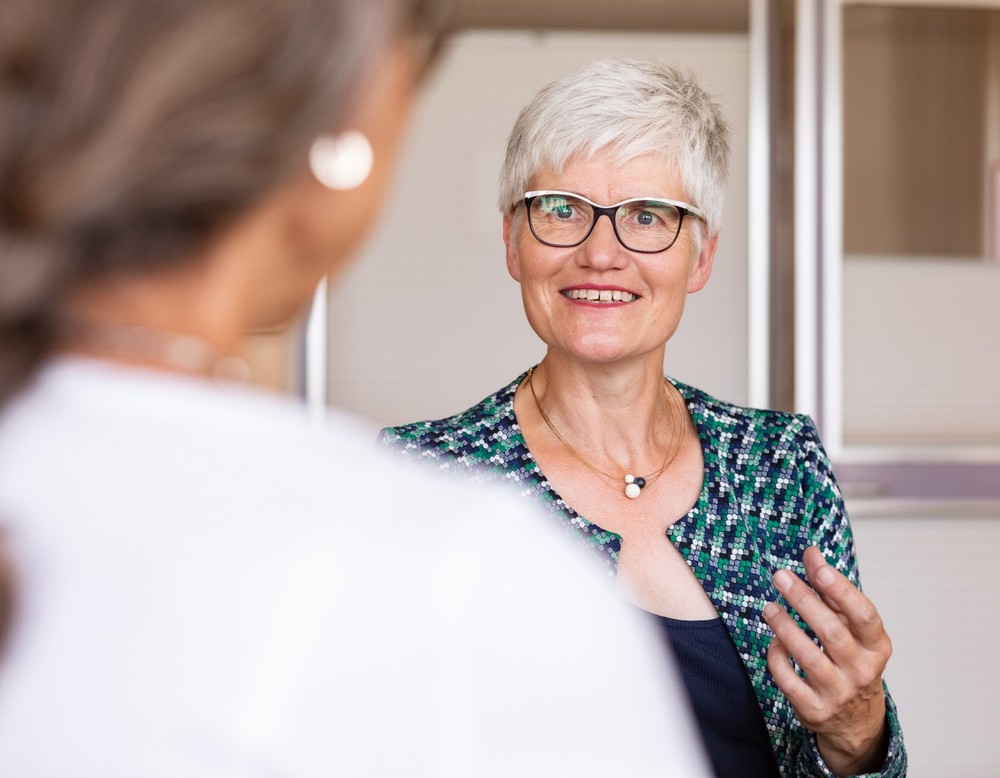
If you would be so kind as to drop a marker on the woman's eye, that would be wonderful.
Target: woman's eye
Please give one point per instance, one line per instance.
(559, 209)
(651, 216)
(644, 218)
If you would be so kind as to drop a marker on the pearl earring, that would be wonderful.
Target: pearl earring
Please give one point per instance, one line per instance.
(343, 161)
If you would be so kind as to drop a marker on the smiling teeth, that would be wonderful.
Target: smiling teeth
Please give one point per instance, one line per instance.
(600, 295)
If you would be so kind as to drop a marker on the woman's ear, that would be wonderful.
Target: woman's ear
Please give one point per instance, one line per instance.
(701, 269)
(510, 241)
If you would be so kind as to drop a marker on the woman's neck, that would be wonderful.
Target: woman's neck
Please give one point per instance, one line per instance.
(622, 412)
(163, 322)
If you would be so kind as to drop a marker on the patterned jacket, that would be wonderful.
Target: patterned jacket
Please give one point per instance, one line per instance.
(769, 492)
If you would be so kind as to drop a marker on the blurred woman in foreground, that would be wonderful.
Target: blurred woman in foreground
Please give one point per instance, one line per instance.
(204, 584)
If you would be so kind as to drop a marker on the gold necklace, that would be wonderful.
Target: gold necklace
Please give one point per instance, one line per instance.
(633, 484)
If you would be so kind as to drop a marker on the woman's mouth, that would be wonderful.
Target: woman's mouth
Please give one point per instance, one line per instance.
(599, 295)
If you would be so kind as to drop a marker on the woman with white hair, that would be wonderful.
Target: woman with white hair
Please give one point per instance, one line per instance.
(697, 506)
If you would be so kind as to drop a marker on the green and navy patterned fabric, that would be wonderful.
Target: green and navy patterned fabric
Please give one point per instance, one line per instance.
(768, 493)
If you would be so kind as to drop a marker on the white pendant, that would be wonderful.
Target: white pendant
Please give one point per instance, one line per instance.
(632, 491)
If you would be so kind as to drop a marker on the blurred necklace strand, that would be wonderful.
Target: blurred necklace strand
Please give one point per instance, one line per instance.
(633, 484)
(181, 353)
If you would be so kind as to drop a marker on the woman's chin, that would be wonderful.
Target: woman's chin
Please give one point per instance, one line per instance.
(607, 353)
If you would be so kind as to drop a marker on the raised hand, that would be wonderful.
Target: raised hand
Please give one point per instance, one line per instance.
(840, 698)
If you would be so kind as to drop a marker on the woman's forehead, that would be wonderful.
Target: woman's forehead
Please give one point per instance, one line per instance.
(605, 178)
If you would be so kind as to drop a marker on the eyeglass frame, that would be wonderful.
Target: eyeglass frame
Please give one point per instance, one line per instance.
(610, 211)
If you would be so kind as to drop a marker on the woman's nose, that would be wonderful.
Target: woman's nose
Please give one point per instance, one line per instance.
(602, 249)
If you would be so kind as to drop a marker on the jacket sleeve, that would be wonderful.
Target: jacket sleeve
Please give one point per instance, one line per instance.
(830, 529)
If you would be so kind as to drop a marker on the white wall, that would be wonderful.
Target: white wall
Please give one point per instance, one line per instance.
(921, 351)
(936, 581)
(429, 322)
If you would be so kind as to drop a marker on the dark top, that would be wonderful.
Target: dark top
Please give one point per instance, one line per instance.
(729, 717)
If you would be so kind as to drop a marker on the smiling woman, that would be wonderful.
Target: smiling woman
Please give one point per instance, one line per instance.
(692, 503)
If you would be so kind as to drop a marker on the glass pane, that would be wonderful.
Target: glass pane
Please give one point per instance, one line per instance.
(916, 162)
(921, 301)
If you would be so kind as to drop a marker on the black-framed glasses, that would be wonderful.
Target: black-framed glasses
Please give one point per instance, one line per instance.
(648, 225)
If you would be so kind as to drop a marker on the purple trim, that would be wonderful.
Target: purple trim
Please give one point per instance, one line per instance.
(931, 480)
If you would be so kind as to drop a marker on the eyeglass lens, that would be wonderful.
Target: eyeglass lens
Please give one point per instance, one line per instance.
(641, 225)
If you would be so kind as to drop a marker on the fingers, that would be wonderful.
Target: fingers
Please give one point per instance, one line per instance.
(853, 642)
(828, 686)
(792, 641)
(849, 723)
(858, 619)
(825, 579)
(833, 632)
(799, 693)
(838, 694)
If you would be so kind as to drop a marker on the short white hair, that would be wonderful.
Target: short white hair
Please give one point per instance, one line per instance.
(629, 108)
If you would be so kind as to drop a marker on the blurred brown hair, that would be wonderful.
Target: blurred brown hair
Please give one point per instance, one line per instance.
(131, 131)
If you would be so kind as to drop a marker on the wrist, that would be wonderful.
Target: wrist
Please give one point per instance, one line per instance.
(855, 756)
